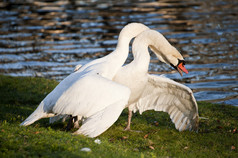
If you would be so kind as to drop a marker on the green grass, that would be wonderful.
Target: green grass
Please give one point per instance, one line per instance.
(19, 96)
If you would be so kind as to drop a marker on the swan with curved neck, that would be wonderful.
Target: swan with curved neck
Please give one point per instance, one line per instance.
(110, 64)
(154, 92)
(90, 92)
(137, 70)
(150, 92)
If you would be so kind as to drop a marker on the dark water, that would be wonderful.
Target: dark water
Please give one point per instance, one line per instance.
(48, 38)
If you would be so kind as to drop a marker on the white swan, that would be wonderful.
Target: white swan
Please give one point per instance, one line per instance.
(155, 92)
(150, 92)
(89, 92)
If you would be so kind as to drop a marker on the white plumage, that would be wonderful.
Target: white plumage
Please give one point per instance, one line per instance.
(163, 94)
(150, 92)
(89, 92)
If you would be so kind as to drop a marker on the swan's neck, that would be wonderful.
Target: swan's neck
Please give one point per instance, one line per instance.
(122, 48)
(141, 44)
(141, 57)
(127, 33)
(119, 55)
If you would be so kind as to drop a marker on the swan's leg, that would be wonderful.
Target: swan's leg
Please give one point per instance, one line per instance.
(128, 127)
(73, 122)
(70, 122)
(76, 121)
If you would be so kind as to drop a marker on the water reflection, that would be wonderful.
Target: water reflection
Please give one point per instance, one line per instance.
(48, 38)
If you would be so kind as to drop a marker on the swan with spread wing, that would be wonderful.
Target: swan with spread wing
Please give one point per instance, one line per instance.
(152, 92)
(90, 92)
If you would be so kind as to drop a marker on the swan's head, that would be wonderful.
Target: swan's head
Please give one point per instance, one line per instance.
(161, 47)
(180, 67)
(170, 55)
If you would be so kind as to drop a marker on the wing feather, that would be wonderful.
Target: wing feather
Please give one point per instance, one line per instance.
(102, 120)
(163, 94)
(85, 95)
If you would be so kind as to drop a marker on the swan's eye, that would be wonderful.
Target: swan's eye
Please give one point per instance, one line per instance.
(181, 61)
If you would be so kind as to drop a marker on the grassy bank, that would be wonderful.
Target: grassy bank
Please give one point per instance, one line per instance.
(217, 136)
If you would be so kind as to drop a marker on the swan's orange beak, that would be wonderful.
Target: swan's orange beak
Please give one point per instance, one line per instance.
(181, 69)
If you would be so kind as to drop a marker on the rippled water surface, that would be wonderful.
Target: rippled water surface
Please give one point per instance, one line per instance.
(48, 38)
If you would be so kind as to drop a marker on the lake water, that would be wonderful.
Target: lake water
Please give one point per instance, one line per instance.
(48, 38)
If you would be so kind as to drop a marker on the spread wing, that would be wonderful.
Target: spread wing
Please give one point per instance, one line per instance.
(98, 99)
(163, 94)
(82, 95)
(89, 95)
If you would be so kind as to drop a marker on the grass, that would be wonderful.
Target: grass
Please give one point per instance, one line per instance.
(19, 96)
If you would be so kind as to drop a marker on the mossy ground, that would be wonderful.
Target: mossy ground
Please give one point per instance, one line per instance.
(19, 96)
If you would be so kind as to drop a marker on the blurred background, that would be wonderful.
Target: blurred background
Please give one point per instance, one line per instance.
(47, 38)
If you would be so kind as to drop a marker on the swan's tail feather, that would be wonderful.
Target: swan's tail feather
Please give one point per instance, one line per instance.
(36, 115)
